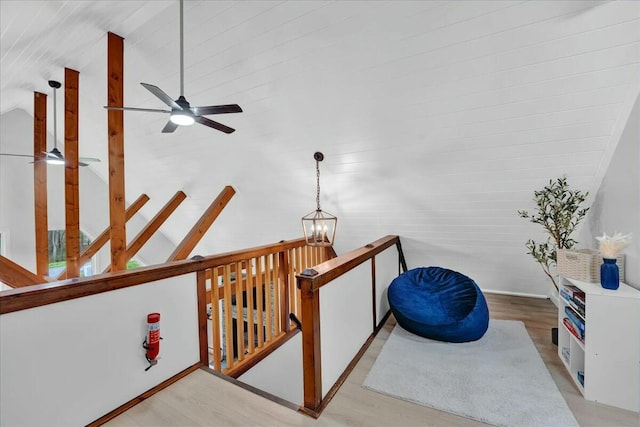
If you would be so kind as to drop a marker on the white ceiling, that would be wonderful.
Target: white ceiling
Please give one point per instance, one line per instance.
(437, 119)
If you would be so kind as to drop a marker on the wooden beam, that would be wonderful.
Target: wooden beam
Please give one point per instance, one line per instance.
(193, 237)
(16, 276)
(145, 234)
(72, 192)
(103, 238)
(40, 182)
(115, 98)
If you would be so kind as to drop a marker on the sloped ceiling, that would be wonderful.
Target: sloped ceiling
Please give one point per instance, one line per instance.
(438, 120)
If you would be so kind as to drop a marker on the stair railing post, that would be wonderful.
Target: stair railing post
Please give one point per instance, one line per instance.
(311, 354)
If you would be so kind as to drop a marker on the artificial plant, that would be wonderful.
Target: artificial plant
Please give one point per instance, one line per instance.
(558, 211)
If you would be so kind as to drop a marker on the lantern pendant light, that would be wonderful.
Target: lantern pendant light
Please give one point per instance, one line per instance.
(319, 227)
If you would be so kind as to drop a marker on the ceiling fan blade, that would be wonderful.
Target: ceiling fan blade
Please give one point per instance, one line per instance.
(217, 109)
(169, 127)
(215, 125)
(151, 110)
(16, 155)
(163, 96)
(89, 159)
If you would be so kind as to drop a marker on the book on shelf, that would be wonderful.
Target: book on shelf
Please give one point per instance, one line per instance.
(580, 375)
(572, 290)
(572, 329)
(573, 316)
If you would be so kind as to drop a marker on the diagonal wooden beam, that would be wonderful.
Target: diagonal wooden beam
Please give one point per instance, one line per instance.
(71, 188)
(40, 182)
(145, 234)
(103, 238)
(115, 98)
(16, 276)
(200, 228)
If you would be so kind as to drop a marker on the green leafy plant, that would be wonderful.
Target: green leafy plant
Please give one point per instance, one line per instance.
(559, 213)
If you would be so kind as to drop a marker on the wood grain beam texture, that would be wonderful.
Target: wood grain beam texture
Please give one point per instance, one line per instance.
(145, 234)
(200, 228)
(115, 97)
(40, 183)
(16, 276)
(103, 238)
(71, 188)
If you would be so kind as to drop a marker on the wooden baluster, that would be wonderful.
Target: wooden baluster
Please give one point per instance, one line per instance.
(291, 275)
(301, 266)
(260, 299)
(215, 320)
(239, 312)
(228, 317)
(283, 280)
(268, 296)
(250, 304)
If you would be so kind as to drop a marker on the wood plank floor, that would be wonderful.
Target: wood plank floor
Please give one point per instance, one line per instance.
(201, 399)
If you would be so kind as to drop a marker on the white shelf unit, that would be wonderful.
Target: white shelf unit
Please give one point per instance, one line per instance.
(610, 355)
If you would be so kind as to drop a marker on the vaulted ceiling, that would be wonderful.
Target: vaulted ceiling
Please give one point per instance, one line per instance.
(438, 119)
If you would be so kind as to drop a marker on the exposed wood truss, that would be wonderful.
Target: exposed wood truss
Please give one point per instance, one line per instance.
(40, 182)
(115, 97)
(72, 192)
(145, 234)
(16, 276)
(200, 228)
(103, 238)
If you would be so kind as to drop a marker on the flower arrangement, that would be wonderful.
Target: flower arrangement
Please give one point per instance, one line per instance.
(612, 246)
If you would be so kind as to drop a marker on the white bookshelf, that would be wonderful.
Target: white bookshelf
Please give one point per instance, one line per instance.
(610, 354)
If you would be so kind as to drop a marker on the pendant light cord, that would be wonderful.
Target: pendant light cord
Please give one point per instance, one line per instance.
(55, 120)
(318, 184)
(181, 47)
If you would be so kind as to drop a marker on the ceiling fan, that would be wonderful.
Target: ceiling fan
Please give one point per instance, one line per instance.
(54, 157)
(182, 113)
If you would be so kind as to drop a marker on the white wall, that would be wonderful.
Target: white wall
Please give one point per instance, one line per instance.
(69, 363)
(280, 373)
(617, 204)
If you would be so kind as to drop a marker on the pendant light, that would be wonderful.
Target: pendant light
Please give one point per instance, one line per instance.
(319, 227)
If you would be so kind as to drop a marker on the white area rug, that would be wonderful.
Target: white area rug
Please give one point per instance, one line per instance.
(500, 379)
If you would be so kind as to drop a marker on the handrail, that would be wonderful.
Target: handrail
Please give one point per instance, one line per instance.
(48, 293)
(309, 282)
(336, 267)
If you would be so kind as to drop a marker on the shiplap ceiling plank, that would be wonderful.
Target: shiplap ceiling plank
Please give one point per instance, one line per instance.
(437, 119)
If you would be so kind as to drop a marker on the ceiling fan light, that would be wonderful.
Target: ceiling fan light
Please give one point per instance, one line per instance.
(53, 161)
(182, 118)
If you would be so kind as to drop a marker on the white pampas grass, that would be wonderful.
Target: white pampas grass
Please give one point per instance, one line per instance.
(611, 246)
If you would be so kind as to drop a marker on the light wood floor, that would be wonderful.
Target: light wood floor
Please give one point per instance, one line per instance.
(200, 399)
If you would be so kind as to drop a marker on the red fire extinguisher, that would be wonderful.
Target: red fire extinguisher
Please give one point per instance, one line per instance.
(152, 341)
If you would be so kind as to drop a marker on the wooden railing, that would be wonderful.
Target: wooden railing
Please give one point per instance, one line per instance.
(267, 272)
(251, 299)
(310, 282)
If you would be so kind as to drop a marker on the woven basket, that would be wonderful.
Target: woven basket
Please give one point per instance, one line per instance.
(584, 264)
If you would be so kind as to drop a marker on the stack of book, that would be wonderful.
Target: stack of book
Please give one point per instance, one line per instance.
(574, 297)
(574, 323)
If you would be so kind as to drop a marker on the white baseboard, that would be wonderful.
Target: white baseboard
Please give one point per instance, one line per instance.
(517, 294)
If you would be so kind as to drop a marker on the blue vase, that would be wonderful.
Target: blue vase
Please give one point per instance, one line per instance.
(609, 275)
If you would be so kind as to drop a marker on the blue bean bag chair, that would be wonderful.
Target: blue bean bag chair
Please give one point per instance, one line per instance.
(439, 304)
